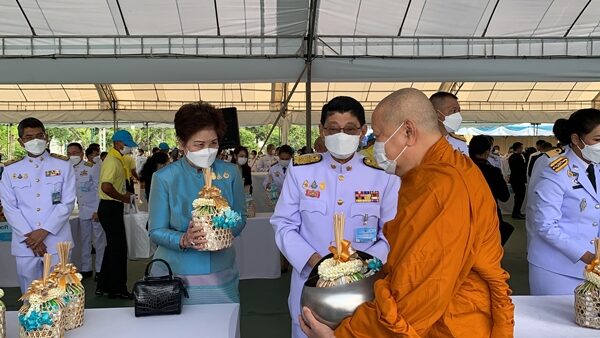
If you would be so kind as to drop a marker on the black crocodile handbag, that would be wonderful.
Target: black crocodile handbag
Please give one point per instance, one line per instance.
(158, 295)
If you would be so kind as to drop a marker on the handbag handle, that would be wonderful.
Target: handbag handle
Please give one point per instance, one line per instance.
(146, 273)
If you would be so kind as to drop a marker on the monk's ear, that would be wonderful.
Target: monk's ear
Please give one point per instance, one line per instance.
(411, 132)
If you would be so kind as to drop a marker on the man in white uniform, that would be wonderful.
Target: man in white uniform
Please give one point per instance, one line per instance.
(449, 119)
(38, 194)
(86, 176)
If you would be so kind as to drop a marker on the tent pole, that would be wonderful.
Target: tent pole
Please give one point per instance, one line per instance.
(282, 111)
(115, 123)
(309, 57)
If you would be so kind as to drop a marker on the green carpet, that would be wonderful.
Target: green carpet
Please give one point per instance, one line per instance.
(264, 310)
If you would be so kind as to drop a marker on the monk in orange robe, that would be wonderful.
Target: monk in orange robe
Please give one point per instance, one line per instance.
(443, 276)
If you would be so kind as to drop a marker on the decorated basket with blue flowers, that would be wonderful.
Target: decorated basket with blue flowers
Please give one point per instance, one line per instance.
(587, 295)
(212, 213)
(2, 316)
(41, 314)
(69, 281)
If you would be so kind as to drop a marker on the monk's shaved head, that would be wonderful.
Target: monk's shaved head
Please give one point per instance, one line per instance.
(408, 104)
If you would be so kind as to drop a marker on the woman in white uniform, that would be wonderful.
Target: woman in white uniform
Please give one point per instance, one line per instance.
(564, 207)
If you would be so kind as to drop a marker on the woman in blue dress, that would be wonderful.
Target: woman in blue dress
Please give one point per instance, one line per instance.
(210, 276)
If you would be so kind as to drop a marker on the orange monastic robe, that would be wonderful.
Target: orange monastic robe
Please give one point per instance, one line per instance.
(443, 274)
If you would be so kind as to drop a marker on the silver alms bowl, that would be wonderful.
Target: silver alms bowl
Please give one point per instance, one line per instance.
(332, 304)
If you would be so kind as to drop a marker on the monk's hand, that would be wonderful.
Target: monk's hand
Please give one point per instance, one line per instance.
(314, 259)
(313, 328)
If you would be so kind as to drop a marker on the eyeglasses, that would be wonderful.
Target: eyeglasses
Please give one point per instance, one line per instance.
(350, 130)
(40, 136)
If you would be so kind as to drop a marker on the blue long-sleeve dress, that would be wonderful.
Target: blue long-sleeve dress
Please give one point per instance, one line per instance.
(210, 276)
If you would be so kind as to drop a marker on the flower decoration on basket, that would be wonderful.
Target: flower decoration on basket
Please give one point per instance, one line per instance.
(212, 213)
(587, 295)
(345, 266)
(69, 281)
(2, 316)
(41, 313)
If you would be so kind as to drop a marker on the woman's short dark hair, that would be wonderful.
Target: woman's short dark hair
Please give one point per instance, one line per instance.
(151, 165)
(193, 117)
(343, 104)
(581, 122)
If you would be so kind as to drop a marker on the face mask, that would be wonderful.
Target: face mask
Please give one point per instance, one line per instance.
(452, 122)
(126, 150)
(242, 160)
(203, 158)
(590, 152)
(36, 146)
(384, 163)
(74, 160)
(342, 145)
(97, 159)
(284, 163)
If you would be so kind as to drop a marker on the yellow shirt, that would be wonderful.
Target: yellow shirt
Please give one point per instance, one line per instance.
(113, 172)
(129, 164)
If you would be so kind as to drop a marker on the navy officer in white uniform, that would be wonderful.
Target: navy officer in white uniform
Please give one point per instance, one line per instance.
(278, 170)
(563, 207)
(38, 194)
(338, 181)
(87, 177)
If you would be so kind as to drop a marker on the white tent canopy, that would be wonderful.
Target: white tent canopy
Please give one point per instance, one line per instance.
(509, 61)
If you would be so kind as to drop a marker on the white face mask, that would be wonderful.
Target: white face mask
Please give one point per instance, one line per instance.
(36, 146)
(342, 145)
(97, 159)
(452, 122)
(284, 163)
(74, 160)
(382, 160)
(590, 152)
(242, 160)
(126, 150)
(202, 158)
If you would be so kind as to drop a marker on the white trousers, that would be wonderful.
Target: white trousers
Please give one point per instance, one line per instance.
(30, 268)
(543, 282)
(91, 231)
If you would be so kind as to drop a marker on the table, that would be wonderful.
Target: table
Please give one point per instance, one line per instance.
(257, 255)
(548, 317)
(216, 321)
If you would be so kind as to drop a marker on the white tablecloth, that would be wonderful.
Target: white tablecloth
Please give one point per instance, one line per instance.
(256, 253)
(548, 317)
(210, 320)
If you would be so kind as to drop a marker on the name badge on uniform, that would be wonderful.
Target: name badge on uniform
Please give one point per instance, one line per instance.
(57, 194)
(50, 173)
(365, 235)
(366, 196)
(83, 173)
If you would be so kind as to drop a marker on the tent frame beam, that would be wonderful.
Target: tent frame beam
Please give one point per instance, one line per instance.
(312, 19)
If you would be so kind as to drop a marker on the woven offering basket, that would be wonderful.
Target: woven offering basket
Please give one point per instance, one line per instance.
(41, 315)
(587, 295)
(2, 316)
(70, 282)
(207, 208)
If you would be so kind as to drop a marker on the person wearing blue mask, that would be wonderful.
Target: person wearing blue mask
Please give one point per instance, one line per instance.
(210, 276)
(318, 185)
(563, 207)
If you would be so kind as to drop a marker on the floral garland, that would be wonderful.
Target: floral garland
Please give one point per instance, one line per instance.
(331, 269)
(35, 320)
(224, 218)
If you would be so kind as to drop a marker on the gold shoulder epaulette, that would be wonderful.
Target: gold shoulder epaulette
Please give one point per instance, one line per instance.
(559, 163)
(458, 137)
(307, 159)
(88, 164)
(369, 162)
(13, 161)
(553, 152)
(60, 157)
